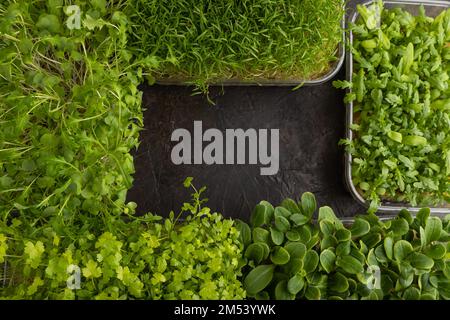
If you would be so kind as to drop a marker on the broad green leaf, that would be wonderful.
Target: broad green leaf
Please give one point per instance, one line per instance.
(255, 252)
(282, 292)
(389, 247)
(277, 236)
(326, 227)
(258, 217)
(343, 248)
(282, 212)
(433, 229)
(420, 261)
(294, 266)
(296, 249)
(308, 204)
(312, 293)
(260, 235)
(436, 251)
(399, 227)
(359, 228)
(328, 242)
(282, 224)
(295, 284)
(299, 219)
(293, 235)
(402, 249)
(380, 254)
(269, 210)
(349, 264)
(258, 279)
(327, 259)
(326, 213)
(371, 239)
(338, 283)
(280, 256)
(290, 205)
(310, 261)
(343, 235)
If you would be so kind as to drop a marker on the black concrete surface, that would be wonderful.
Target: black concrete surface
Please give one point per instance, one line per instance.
(311, 122)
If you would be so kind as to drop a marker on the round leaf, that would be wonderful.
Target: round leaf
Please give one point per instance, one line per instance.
(360, 227)
(310, 261)
(280, 256)
(327, 259)
(277, 236)
(349, 264)
(295, 284)
(282, 224)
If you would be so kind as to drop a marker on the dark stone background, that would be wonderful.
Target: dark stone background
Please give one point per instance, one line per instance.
(311, 122)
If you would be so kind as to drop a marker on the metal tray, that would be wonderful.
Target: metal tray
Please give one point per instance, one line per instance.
(387, 209)
(333, 70)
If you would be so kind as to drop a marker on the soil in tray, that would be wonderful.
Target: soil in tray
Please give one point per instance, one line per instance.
(311, 122)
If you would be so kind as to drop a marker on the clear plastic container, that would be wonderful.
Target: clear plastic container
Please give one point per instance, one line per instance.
(387, 209)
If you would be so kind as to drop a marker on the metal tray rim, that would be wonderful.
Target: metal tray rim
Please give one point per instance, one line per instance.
(383, 208)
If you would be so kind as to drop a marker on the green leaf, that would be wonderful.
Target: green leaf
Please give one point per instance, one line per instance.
(296, 249)
(402, 249)
(282, 224)
(92, 270)
(290, 205)
(293, 235)
(308, 204)
(326, 213)
(359, 228)
(433, 229)
(299, 219)
(436, 251)
(327, 260)
(311, 261)
(389, 247)
(343, 235)
(371, 239)
(282, 293)
(188, 182)
(349, 264)
(255, 252)
(312, 293)
(260, 235)
(338, 283)
(343, 248)
(295, 284)
(258, 217)
(411, 294)
(277, 236)
(280, 256)
(245, 234)
(420, 261)
(258, 279)
(399, 227)
(33, 253)
(49, 22)
(282, 212)
(269, 211)
(326, 227)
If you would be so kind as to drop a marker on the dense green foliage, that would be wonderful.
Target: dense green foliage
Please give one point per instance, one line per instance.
(70, 115)
(401, 96)
(209, 41)
(198, 258)
(291, 257)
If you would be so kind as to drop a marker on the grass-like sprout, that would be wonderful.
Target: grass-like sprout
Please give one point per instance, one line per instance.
(204, 41)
